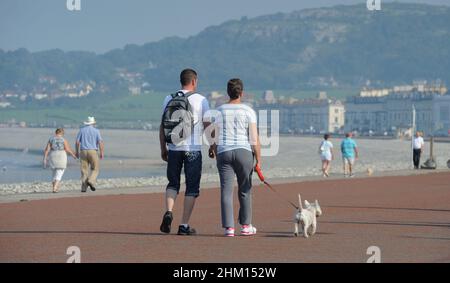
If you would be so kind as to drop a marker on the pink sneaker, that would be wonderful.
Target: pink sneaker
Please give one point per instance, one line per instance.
(229, 232)
(248, 230)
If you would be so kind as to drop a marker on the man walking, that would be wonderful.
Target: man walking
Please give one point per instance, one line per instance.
(418, 146)
(88, 143)
(183, 148)
(349, 154)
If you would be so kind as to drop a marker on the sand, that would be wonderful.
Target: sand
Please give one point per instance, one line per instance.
(133, 160)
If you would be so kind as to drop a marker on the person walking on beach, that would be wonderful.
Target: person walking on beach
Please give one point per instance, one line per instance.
(349, 154)
(89, 145)
(237, 147)
(180, 143)
(56, 153)
(418, 146)
(326, 154)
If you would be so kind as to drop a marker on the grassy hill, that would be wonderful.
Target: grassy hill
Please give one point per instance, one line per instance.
(335, 49)
(341, 46)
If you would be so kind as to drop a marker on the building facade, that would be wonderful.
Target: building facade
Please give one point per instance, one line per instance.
(441, 114)
(393, 113)
(320, 115)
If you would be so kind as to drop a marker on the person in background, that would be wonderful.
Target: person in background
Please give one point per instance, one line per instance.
(88, 144)
(326, 154)
(418, 146)
(56, 153)
(349, 154)
(237, 147)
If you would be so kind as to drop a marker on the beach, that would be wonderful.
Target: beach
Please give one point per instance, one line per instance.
(403, 212)
(406, 217)
(132, 159)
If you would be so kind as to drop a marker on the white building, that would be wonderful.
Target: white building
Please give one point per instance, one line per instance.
(269, 97)
(40, 96)
(393, 113)
(441, 114)
(135, 90)
(318, 115)
(5, 104)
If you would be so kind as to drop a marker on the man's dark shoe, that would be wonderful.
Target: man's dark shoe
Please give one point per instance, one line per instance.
(166, 222)
(186, 231)
(91, 186)
(83, 187)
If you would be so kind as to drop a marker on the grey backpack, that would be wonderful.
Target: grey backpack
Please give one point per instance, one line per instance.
(178, 119)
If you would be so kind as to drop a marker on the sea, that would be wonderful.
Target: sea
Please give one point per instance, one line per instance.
(137, 154)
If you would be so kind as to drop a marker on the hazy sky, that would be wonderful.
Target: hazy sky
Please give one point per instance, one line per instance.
(102, 25)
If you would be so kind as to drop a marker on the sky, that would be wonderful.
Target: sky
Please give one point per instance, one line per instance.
(102, 25)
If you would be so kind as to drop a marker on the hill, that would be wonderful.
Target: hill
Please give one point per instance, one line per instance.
(341, 46)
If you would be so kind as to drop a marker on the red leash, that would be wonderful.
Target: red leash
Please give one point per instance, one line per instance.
(261, 177)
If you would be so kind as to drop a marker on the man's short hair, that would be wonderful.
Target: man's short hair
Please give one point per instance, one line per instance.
(235, 88)
(349, 134)
(59, 131)
(326, 136)
(187, 76)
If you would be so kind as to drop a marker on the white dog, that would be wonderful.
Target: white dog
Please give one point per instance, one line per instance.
(307, 217)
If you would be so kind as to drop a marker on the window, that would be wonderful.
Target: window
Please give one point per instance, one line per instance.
(444, 113)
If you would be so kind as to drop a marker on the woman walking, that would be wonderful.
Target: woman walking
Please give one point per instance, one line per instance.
(237, 147)
(326, 154)
(55, 152)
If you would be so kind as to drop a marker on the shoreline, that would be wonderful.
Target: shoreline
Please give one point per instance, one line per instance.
(144, 187)
(437, 139)
(137, 165)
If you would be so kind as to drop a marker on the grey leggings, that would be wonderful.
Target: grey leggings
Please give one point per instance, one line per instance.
(237, 162)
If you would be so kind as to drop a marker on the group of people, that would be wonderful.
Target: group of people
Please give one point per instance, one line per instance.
(233, 142)
(349, 152)
(89, 147)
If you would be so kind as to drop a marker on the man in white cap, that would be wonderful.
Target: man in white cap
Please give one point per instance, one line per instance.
(88, 144)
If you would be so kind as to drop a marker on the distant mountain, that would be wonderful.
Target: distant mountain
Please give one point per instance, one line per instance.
(337, 46)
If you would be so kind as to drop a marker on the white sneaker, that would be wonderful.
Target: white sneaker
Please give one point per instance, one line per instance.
(229, 232)
(248, 230)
